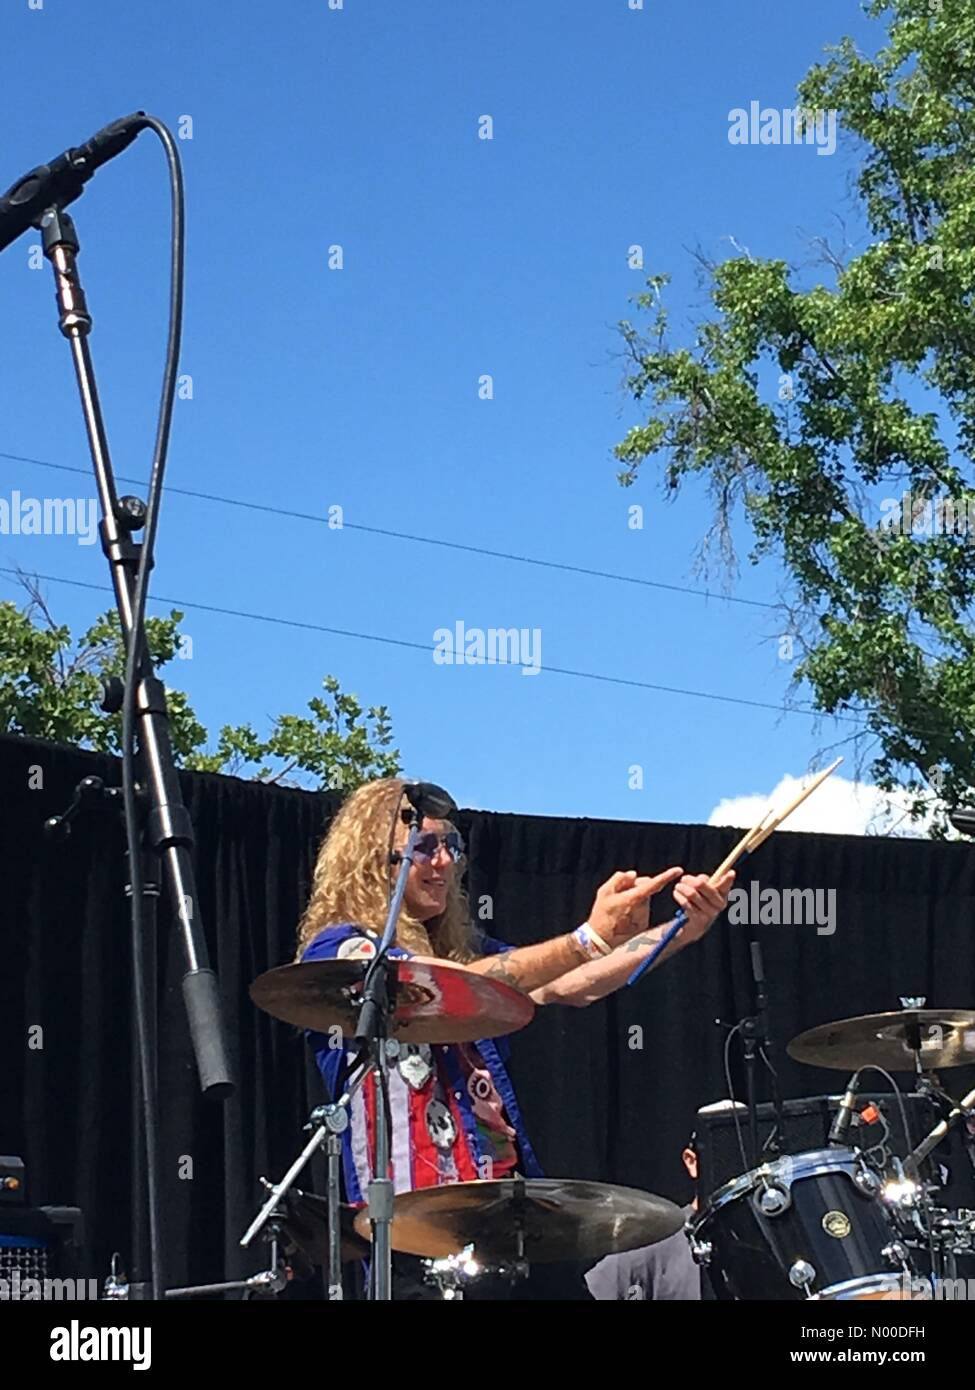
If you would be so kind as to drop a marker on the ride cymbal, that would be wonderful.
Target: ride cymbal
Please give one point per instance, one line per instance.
(903, 1040)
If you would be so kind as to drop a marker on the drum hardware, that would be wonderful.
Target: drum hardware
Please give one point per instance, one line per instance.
(701, 1250)
(867, 1181)
(952, 1236)
(816, 1225)
(896, 1254)
(454, 1274)
(376, 1005)
(772, 1200)
(964, 1109)
(270, 1281)
(510, 1223)
(327, 1123)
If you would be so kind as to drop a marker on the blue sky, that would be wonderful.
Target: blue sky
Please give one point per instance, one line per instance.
(358, 387)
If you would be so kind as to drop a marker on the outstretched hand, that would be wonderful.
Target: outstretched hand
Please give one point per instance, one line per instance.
(621, 907)
(702, 900)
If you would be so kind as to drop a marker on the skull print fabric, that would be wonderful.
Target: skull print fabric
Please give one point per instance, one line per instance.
(449, 1121)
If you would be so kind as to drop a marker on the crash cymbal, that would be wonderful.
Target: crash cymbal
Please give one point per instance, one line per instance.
(936, 1038)
(561, 1219)
(437, 1001)
(306, 1223)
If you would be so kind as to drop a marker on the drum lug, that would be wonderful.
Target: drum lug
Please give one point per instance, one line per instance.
(801, 1276)
(772, 1200)
(895, 1254)
(867, 1181)
(701, 1250)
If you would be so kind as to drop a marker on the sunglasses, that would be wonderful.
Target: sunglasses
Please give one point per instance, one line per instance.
(428, 843)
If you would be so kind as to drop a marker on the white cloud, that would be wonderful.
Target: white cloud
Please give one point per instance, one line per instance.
(838, 807)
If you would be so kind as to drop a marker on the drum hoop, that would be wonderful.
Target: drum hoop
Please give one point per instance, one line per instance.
(802, 1165)
(863, 1283)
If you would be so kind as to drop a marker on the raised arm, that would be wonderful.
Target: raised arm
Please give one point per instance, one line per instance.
(618, 911)
(700, 899)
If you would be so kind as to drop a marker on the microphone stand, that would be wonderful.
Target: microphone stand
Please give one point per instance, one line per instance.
(757, 1037)
(166, 832)
(961, 1110)
(372, 1033)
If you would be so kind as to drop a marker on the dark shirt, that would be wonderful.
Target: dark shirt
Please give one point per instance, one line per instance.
(663, 1271)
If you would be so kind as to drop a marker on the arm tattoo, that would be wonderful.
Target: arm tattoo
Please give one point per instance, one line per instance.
(635, 942)
(503, 973)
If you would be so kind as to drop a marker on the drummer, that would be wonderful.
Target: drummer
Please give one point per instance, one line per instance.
(665, 1271)
(454, 1114)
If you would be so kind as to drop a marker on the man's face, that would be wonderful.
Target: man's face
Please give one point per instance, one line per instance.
(431, 872)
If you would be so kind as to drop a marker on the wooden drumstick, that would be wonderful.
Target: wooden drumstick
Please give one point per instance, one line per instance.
(750, 841)
(760, 832)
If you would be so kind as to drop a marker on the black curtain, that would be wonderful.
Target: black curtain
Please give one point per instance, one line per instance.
(608, 1092)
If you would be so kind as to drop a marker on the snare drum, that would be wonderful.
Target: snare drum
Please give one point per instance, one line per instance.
(811, 1225)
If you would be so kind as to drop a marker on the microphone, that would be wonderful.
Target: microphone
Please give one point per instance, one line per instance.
(841, 1122)
(429, 800)
(63, 180)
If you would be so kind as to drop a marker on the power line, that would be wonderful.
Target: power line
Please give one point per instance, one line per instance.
(429, 650)
(418, 540)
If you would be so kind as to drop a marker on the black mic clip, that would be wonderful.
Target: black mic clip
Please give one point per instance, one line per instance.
(88, 791)
(55, 185)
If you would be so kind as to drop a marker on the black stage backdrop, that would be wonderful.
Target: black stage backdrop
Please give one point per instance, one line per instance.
(602, 1099)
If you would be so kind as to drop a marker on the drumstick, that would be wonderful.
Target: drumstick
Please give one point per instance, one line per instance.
(796, 801)
(750, 841)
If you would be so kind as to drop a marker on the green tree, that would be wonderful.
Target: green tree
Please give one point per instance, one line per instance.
(51, 688)
(807, 401)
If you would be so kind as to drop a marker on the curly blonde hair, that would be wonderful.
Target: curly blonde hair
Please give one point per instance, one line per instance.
(353, 875)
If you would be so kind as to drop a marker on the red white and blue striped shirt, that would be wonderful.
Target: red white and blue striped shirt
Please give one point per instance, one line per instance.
(454, 1113)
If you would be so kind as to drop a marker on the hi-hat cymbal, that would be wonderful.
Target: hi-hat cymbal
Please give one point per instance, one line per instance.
(901, 1040)
(437, 1001)
(559, 1218)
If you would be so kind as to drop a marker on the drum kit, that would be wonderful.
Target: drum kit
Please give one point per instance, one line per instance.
(846, 1222)
(463, 1231)
(838, 1222)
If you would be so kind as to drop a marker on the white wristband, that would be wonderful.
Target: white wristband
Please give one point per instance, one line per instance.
(591, 942)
